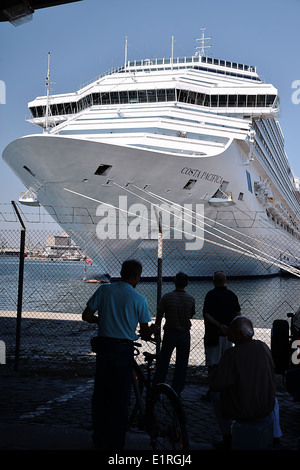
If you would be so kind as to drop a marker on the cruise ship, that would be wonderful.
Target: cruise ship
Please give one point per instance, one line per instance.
(176, 160)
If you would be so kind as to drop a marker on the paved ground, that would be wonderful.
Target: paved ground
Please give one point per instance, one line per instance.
(51, 411)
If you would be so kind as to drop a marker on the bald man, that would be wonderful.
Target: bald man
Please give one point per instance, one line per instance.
(244, 379)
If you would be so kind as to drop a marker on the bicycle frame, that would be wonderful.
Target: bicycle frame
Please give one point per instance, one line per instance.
(140, 381)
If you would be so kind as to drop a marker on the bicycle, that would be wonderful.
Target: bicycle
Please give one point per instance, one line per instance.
(285, 348)
(157, 410)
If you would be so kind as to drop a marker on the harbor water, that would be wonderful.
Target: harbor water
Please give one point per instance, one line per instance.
(61, 286)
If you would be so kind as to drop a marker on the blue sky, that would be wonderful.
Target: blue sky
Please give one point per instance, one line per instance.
(87, 38)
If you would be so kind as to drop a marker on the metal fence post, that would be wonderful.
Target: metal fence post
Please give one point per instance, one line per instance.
(20, 286)
(159, 273)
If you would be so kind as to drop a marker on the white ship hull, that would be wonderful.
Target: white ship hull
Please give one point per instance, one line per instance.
(237, 237)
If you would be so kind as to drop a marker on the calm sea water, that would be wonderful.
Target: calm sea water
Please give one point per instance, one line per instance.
(59, 286)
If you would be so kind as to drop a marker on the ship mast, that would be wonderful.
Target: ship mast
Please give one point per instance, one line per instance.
(126, 48)
(203, 46)
(172, 56)
(48, 94)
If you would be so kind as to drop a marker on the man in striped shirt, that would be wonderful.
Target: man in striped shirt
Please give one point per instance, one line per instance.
(178, 308)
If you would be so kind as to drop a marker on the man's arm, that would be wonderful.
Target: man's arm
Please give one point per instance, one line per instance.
(193, 309)
(160, 313)
(89, 316)
(159, 318)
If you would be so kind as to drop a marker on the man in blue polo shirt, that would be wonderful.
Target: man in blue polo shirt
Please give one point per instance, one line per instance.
(120, 309)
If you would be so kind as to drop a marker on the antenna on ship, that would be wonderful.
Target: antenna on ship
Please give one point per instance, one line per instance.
(48, 93)
(172, 56)
(126, 48)
(203, 46)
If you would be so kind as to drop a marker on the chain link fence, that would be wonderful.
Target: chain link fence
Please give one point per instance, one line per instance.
(41, 302)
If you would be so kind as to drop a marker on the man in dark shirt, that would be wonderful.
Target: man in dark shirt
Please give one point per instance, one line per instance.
(220, 307)
(178, 308)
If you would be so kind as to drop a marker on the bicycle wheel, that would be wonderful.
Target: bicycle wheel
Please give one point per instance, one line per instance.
(280, 346)
(167, 421)
(136, 412)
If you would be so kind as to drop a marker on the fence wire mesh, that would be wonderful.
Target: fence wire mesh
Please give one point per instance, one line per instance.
(61, 273)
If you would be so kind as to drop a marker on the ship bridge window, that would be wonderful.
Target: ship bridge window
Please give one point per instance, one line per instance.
(207, 100)
(161, 95)
(123, 97)
(182, 95)
(261, 101)
(96, 98)
(103, 169)
(133, 96)
(192, 97)
(200, 99)
(68, 108)
(40, 111)
(60, 108)
(251, 101)
(232, 101)
(171, 95)
(114, 97)
(142, 94)
(223, 100)
(151, 96)
(105, 98)
(242, 101)
(270, 100)
(214, 100)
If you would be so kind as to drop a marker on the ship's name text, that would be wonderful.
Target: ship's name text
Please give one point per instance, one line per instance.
(203, 175)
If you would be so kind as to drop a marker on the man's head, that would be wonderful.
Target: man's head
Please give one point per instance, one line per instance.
(240, 330)
(219, 279)
(181, 280)
(131, 271)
